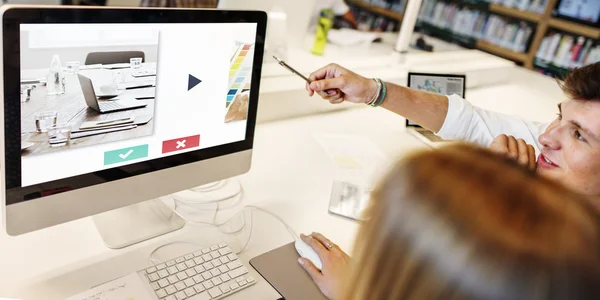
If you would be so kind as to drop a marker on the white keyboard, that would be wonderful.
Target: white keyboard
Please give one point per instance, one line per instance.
(210, 273)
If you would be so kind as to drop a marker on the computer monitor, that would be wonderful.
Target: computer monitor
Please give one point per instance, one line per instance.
(195, 66)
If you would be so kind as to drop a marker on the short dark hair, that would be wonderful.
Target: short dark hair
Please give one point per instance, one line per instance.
(583, 83)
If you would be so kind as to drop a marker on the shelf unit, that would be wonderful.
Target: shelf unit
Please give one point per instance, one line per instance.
(544, 22)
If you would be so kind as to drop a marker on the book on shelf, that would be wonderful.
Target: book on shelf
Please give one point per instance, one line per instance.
(473, 23)
(567, 51)
(536, 6)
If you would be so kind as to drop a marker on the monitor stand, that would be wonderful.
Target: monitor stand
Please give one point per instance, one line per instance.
(135, 223)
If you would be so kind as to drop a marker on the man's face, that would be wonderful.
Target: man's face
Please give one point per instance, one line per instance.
(571, 147)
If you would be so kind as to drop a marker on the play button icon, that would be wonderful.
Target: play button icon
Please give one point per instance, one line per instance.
(192, 82)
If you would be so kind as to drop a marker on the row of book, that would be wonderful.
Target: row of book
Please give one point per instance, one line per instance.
(368, 21)
(476, 24)
(393, 5)
(567, 51)
(536, 6)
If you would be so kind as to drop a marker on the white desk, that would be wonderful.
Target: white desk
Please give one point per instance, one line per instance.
(290, 176)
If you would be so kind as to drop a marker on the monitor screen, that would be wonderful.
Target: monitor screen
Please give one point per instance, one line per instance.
(587, 11)
(439, 84)
(107, 101)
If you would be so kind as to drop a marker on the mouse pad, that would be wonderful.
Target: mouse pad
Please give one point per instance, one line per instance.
(281, 269)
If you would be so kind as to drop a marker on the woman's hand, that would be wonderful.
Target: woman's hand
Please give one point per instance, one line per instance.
(335, 264)
(336, 84)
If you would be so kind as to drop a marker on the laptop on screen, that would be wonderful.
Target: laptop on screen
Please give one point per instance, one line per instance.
(444, 84)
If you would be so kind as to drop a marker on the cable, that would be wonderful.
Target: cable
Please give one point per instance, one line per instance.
(294, 235)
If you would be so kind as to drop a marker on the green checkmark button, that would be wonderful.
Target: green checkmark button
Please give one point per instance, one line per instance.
(125, 154)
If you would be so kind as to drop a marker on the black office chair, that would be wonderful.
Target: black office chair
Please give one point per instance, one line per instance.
(113, 57)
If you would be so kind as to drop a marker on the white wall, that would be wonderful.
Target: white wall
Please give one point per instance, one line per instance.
(40, 57)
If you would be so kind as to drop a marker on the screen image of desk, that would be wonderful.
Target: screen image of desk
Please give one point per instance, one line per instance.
(90, 50)
(178, 117)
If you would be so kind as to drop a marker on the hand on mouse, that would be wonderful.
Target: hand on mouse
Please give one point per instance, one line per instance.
(335, 264)
(515, 149)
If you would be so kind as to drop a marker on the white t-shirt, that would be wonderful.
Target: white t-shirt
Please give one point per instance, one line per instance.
(339, 8)
(470, 123)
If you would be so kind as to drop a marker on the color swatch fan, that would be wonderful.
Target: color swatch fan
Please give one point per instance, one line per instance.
(240, 72)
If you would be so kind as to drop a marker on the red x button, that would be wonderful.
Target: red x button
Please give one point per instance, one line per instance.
(181, 144)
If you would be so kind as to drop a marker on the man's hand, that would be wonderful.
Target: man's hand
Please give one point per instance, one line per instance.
(516, 149)
(335, 264)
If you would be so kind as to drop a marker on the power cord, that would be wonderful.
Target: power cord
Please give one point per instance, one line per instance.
(220, 226)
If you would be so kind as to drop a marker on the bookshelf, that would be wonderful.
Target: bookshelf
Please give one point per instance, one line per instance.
(525, 53)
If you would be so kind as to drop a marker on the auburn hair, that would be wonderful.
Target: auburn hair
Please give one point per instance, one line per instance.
(461, 222)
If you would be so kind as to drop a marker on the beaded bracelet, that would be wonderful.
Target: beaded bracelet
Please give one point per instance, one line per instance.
(376, 97)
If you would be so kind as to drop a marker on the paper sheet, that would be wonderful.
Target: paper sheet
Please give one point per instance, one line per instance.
(351, 151)
(129, 287)
(349, 200)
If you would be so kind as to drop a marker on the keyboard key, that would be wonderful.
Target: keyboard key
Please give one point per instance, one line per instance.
(216, 281)
(215, 292)
(216, 263)
(225, 251)
(234, 264)
(198, 260)
(180, 286)
(161, 266)
(190, 292)
(171, 290)
(207, 284)
(151, 270)
(190, 272)
(202, 296)
(155, 286)
(180, 296)
(190, 263)
(223, 269)
(163, 283)
(189, 282)
(179, 260)
(215, 272)
(237, 272)
(214, 247)
(197, 253)
(153, 277)
(205, 250)
(172, 297)
(232, 256)
(225, 277)
(189, 256)
(181, 267)
(171, 263)
(225, 288)
(173, 270)
(240, 279)
(207, 265)
(234, 286)
(221, 245)
(224, 259)
(198, 278)
(207, 257)
(250, 279)
(163, 273)
(199, 288)
(161, 293)
(243, 283)
(206, 275)
(182, 275)
(172, 279)
(199, 269)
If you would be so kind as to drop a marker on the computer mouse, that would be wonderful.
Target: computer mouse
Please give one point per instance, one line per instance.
(305, 251)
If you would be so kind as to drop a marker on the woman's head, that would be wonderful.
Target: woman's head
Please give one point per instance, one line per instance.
(463, 223)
